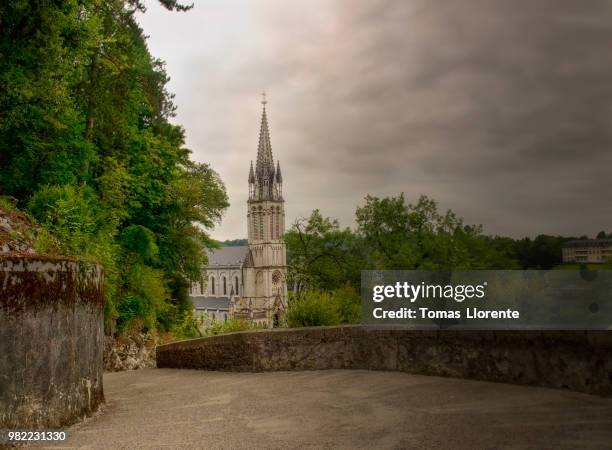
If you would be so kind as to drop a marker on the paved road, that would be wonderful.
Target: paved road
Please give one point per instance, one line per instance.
(168, 408)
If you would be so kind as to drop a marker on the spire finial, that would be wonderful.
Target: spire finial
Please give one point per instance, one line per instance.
(263, 98)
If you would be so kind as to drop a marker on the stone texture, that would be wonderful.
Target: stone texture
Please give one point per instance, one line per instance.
(576, 360)
(131, 352)
(16, 233)
(51, 337)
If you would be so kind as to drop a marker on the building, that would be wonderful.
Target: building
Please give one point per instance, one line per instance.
(593, 251)
(249, 282)
(219, 286)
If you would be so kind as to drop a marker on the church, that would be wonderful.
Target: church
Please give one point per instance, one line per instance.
(249, 282)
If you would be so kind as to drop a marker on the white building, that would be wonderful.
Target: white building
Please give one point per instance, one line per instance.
(249, 282)
(594, 251)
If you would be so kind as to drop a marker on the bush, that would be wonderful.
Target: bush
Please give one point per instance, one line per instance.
(229, 326)
(311, 309)
(315, 308)
(348, 302)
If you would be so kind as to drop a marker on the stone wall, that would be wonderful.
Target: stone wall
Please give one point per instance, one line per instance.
(51, 338)
(576, 360)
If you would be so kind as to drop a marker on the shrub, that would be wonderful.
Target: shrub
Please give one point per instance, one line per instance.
(229, 326)
(348, 302)
(311, 309)
(319, 308)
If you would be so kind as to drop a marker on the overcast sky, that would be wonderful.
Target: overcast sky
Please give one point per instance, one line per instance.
(501, 110)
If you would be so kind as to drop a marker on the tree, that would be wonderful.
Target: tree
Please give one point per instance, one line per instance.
(87, 147)
(234, 242)
(543, 252)
(321, 254)
(418, 236)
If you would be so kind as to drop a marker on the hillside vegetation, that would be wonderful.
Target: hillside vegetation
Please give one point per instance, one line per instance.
(88, 152)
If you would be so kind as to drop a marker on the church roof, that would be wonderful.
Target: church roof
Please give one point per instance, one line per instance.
(202, 302)
(227, 256)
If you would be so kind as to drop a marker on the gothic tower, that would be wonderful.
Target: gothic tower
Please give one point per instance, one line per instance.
(265, 268)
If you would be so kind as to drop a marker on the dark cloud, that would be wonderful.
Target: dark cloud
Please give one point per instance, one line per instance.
(499, 109)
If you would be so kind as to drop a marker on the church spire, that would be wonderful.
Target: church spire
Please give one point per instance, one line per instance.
(265, 182)
(251, 174)
(265, 163)
(279, 177)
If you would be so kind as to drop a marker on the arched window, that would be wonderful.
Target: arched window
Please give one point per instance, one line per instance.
(278, 219)
(212, 285)
(224, 286)
(261, 225)
(236, 286)
(201, 285)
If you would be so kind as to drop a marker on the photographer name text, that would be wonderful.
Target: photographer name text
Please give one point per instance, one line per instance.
(423, 291)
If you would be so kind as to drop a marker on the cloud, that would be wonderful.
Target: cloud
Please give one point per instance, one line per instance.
(500, 110)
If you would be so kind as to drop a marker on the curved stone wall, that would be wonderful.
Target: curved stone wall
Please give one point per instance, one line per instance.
(51, 341)
(576, 360)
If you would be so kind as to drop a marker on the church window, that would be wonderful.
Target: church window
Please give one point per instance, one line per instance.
(276, 277)
(224, 286)
(259, 286)
(277, 224)
(236, 285)
(261, 226)
(201, 285)
(212, 285)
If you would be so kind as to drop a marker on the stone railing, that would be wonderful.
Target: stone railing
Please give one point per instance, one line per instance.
(576, 360)
(51, 340)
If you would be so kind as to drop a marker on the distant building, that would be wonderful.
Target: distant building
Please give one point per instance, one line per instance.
(249, 282)
(220, 286)
(593, 251)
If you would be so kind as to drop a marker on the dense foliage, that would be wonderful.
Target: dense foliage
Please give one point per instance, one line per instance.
(313, 307)
(325, 261)
(393, 234)
(87, 149)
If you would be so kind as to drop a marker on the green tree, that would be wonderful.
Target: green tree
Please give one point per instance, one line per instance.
(87, 147)
(543, 252)
(321, 254)
(418, 236)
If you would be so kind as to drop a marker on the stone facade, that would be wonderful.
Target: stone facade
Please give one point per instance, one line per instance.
(249, 282)
(576, 360)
